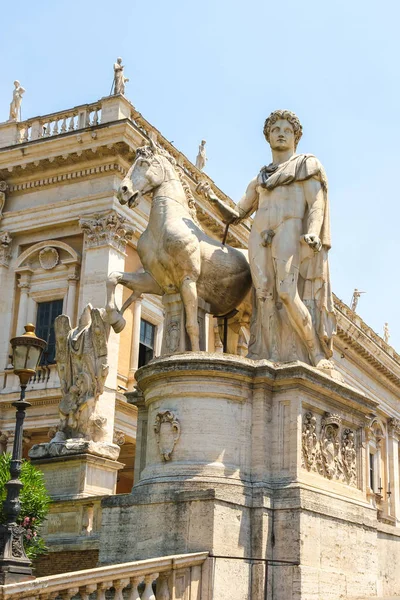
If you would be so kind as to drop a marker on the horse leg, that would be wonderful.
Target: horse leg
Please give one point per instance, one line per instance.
(140, 283)
(189, 299)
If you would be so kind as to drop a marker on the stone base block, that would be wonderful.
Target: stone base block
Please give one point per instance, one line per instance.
(74, 446)
(79, 476)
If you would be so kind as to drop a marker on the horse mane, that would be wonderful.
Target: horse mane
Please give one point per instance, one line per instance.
(156, 148)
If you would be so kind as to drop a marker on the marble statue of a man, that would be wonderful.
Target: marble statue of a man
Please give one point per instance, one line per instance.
(293, 313)
(119, 78)
(16, 102)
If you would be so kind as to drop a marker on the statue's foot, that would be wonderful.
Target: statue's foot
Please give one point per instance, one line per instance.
(116, 320)
(324, 363)
(328, 368)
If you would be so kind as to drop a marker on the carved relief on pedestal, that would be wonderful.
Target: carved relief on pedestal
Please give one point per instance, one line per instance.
(5, 250)
(48, 258)
(172, 337)
(330, 452)
(110, 228)
(310, 442)
(167, 429)
(330, 446)
(349, 456)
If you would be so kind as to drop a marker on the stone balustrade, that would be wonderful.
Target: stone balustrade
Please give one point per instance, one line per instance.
(45, 377)
(57, 123)
(179, 576)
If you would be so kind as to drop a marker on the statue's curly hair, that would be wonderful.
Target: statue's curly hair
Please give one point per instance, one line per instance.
(288, 116)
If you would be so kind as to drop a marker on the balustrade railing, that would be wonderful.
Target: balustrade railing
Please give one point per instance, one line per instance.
(181, 576)
(58, 123)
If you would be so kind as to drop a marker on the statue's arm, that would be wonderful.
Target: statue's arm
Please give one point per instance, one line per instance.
(315, 198)
(248, 203)
(245, 207)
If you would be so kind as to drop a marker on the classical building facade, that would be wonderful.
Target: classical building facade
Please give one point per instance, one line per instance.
(62, 231)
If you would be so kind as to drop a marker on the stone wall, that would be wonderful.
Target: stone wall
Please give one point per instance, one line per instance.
(65, 562)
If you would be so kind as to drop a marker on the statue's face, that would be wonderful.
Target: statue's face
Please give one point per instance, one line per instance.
(281, 136)
(145, 174)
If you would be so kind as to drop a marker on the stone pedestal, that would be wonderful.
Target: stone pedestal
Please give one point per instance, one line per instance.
(79, 476)
(249, 459)
(175, 337)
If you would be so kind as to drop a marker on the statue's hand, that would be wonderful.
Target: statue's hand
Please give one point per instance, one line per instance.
(313, 241)
(204, 189)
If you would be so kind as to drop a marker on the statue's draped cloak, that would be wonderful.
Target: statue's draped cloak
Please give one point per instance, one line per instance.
(314, 285)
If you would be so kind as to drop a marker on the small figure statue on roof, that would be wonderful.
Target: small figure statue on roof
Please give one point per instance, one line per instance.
(386, 333)
(119, 78)
(201, 158)
(15, 106)
(355, 298)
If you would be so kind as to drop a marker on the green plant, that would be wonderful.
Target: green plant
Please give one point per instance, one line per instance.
(35, 503)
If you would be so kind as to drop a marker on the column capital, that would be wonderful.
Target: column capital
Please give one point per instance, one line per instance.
(106, 229)
(394, 427)
(5, 248)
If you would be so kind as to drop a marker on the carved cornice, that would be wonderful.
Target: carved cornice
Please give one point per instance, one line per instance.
(70, 175)
(366, 343)
(106, 229)
(5, 250)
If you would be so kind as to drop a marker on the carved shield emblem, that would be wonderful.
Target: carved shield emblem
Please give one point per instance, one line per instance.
(167, 430)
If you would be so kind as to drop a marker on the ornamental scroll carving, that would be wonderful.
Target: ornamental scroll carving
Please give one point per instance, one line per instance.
(168, 430)
(5, 248)
(329, 449)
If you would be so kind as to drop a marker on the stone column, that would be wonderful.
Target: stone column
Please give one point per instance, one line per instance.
(106, 236)
(24, 286)
(71, 295)
(393, 468)
(31, 313)
(6, 298)
(137, 313)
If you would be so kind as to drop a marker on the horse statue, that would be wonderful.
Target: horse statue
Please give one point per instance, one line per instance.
(177, 256)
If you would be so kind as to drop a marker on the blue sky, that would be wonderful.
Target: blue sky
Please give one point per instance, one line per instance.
(215, 69)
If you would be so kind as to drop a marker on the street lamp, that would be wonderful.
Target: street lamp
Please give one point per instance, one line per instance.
(15, 566)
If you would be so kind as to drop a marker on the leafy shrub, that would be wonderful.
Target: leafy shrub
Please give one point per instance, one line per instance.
(34, 504)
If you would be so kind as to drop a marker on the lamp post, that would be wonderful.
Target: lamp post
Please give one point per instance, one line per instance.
(15, 566)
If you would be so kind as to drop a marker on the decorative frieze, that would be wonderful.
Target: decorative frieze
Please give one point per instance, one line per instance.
(331, 451)
(5, 250)
(107, 229)
(168, 430)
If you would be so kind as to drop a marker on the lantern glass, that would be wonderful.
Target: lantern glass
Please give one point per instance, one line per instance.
(27, 351)
(26, 358)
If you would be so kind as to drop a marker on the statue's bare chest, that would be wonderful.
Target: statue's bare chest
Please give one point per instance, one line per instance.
(281, 203)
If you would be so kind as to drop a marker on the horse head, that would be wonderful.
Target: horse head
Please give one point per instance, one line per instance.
(147, 173)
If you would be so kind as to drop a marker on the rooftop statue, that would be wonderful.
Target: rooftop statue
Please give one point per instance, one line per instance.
(15, 106)
(293, 313)
(119, 78)
(177, 256)
(201, 157)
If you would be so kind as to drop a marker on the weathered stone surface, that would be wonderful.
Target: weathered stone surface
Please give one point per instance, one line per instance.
(236, 483)
(79, 476)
